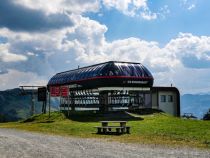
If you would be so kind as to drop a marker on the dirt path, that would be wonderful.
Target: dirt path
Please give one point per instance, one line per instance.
(17, 144)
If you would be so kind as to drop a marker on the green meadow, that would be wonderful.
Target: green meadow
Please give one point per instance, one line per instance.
(153, 128)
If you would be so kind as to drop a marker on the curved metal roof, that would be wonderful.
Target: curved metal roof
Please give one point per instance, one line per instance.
(103, 70)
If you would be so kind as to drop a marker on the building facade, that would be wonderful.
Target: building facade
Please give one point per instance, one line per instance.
(112, 85)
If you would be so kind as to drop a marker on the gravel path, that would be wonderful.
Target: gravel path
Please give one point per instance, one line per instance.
(18, 144)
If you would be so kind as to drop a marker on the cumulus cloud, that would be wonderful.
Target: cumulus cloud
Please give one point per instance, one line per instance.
(3, 72)
(19, 18)
(148, 15)
(6, 56)
(191, 7)
(32, 58)
(72, 6)
(85, 44)
(168, 63)
(35, 47)
(21, 78)
(187, 47)
(188, 4)
(133, 8)
(91, 46)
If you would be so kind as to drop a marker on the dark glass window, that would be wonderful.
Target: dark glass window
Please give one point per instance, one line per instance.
(138, 70)
(162, 98)
(125, 70)
(73, 76)
(99, 71)
(132, 70)
(146, 72)
(105, 70)
(82, 74)
(170, 98)
(95, 71)
(119, 69)
(70, 76)
(116, 70)
(90, 72)
(85, 74)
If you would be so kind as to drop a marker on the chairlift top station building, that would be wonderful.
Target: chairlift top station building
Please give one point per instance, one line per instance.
(112, 85)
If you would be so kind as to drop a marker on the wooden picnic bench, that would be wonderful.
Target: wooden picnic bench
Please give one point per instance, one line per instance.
(105, 128)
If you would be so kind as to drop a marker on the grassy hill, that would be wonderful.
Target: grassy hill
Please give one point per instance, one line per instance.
(14, 106)
(154, 128)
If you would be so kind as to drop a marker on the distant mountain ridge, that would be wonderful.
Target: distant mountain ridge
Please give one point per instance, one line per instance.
(14, 106)
(197, 104)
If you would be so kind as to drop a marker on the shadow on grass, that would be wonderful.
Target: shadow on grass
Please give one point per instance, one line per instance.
(111, 133)
(34, 120)
(90, 116)
(31, 119)
(145, 111)
(46, 121)
(44, 118)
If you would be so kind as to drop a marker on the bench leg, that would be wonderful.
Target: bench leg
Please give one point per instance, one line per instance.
(128, 130)
(123, 130)
(99, 130)
(118, 130)
(104, 130)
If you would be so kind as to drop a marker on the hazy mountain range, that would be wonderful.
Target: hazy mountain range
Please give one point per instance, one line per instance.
(198, 104)
(14, 106)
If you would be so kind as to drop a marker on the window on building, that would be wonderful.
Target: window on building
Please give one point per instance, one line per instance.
(163, 98)
(170, 98)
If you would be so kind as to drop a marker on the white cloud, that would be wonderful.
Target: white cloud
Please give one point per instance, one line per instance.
(91, 47)
(16, 78)
(84, 43)
(30, 54)
(72, 6)
(191, 7)
(188, 4)
(148, 15)
(168, 64)
(140, 3)
(187, 45)
(35, 47)
(133, 8)
(164, 11)
(121, 5)
(6, 56)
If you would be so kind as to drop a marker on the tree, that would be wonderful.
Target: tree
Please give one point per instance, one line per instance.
(207, 116)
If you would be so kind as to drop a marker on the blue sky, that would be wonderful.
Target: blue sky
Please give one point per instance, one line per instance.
(162, 29)
(39, 38)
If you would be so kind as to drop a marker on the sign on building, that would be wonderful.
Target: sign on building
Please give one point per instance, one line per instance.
(55, 91)
(42, 94)
(64, 91)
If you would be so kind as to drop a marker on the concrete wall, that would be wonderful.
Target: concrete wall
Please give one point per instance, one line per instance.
(168, 107)
(155, 100)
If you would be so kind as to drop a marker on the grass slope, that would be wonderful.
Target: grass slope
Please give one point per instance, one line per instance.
(156, 128)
